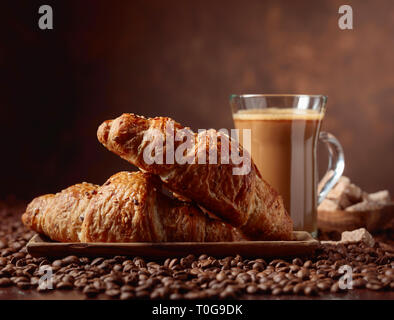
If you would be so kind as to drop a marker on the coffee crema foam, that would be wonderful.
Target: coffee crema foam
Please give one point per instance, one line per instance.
(278, 114)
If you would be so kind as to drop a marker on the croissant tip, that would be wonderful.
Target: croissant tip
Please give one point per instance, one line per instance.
(103, 131)
(25, 218)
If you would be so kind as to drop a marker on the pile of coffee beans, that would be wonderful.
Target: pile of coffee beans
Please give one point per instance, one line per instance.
(192, 277)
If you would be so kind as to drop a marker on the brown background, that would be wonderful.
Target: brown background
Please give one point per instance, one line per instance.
(183, 59)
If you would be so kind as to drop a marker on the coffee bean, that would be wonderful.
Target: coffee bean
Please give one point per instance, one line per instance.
(251, 289)
(139, 262)
(127, 296)
(284, 282)
(90, 290)
(97, 261)
(202, 257)
(336, 256)
(280, 264)
(320, 263)
(283, 269)
(221, 276)
(288, 288)
(385, 280)
(274, 262)
(173, 262)
(71, 259)
(258, 266)
(321, 272)
(298, 288)
(116, 279)
(185, 263)
(294, 268)
(57, 263)
(277, 291)
(143, 277)
(374, 286)
(104, 266)
(243, 277)
(192, 295)
(84, 260)
(3, 261)
(17, 256)
(130, 279)
(127, 288)
(278, 278)
(3, 244)
(110, 285)
(310, 290)
(303, 274)
(128, 261)
(228, 294)
(5, 282)
(24, 285)
(8, 270)
(99, 285)
(334, 275)
(176, 296)
(20, 263)
(7, 252)
(335, 288)
(81, 283)
(274, 286)
(370, 277)
(44, 263)
(315, 277)
(30, 269)
(323, 286)
(180, 275)
(163, 292)
(297, 262)
(112, 293)
(63, 285)
(205, 263)
(264, 287)
(359, 283)
(117, 267)
(389, 273)
(19, 279)
(128, 267)
(16, 246)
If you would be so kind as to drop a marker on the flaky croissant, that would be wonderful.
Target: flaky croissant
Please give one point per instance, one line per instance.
(245, 201)
(128, 207)
(60, 215)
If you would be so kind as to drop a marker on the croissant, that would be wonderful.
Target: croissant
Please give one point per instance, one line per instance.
(245, 201)
(60, 215)
(128, 207)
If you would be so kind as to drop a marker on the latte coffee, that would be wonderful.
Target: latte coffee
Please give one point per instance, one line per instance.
(284, 150)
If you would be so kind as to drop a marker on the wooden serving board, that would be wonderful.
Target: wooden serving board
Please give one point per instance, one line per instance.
(340, 220)
(303, 245)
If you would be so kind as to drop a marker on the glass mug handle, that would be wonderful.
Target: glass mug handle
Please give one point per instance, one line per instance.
(336, 165)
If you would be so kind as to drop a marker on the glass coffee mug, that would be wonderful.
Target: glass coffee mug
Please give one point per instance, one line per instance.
(284, 132)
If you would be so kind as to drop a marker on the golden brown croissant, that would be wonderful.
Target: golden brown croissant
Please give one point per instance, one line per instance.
(60, 215)
(128, 207)
(245, 201)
